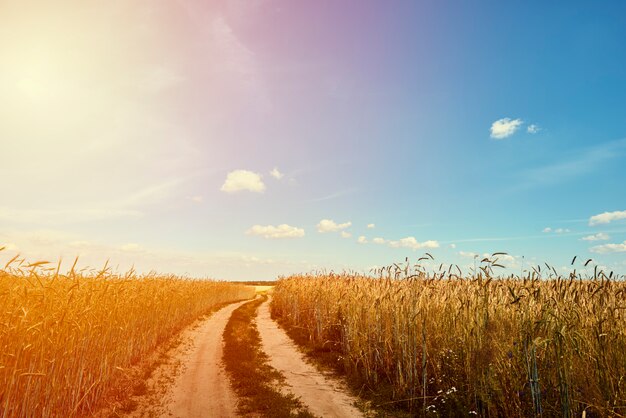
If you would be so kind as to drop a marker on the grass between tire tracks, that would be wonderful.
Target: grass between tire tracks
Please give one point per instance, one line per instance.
(254, 380)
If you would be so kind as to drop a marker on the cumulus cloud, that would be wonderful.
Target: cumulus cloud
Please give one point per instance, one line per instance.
(505, 127)
(345, 234)
(453, 246)
(371, 226)
(276, 173)
(609, 248)
(504, 257)
(276, 232)
(607, 217)
(556, 231)
(412, 243)
(328, 225)
(239, 180)
(533, 129)
(362, 240)
(600, 236)
(468, 254)
(408, 242)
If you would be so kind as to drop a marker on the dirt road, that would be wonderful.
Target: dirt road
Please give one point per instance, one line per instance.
(322, 395)
(203, 389)
(192, 383)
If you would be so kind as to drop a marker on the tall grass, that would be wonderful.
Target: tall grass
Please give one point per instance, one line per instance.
(538, 345)
(66, 338)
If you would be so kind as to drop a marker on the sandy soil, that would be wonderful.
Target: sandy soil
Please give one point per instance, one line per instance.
(323, 395)
(193, 384)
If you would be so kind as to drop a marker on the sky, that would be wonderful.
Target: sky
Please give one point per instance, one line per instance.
(251, 139)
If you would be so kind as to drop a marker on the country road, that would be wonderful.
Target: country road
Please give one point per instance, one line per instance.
(193, 382)
(201, 389)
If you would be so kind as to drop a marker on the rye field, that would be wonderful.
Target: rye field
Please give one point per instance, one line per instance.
(68, 340)
(444, 344)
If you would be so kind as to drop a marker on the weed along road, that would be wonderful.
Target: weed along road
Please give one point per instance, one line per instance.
(322, 395)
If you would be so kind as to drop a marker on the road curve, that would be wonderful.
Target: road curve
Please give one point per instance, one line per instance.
(322, 395)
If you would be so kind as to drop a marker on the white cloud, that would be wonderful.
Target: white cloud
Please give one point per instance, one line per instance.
(600, 236)
(607, 217)
(362, 240)
(504, 257)
(467, 254)
(328, 225)
(345, 234)
(412, 243)
(452, 246)
(533, 129)
(243, 180)
(547, 230)
(276, 232)
(371, 226)
(408, 242)
(503, 128)
(609, 248)
(276, 173)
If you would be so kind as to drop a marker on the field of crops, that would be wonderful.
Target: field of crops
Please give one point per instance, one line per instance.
(65, 339)
(452, 346)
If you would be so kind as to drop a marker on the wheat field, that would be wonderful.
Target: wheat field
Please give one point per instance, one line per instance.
(446, 345)
(66, 339)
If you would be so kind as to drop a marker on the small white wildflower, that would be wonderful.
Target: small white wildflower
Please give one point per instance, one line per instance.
(451, 390)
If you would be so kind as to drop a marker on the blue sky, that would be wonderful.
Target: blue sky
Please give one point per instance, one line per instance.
(461, 128)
